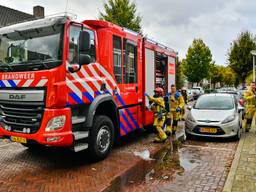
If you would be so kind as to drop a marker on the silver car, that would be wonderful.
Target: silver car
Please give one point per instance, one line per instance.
(214, 115)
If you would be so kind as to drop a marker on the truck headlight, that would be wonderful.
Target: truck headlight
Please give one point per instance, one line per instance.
(56, 123)
(229, 119)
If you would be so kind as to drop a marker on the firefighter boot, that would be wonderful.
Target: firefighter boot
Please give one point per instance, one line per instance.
(248, 125)
(161, 135)
(174, 128)
(168, 130)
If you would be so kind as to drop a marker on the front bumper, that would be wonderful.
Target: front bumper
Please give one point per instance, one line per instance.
(226, 130)
(59, 138)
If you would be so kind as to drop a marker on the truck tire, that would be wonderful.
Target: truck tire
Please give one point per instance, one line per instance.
(101, 138)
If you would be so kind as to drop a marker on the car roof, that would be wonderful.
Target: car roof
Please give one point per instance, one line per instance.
(218, 94)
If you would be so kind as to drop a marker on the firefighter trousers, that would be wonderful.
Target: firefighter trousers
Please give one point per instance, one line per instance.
(249, 114)
(172, 119)
(159, 123)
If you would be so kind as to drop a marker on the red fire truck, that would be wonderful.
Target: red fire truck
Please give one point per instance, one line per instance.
(77, 85)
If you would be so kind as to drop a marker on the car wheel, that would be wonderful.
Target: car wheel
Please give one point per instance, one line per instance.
(238, 135)
(101, 138)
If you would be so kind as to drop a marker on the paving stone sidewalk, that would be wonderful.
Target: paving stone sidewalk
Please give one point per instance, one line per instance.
(242, 176)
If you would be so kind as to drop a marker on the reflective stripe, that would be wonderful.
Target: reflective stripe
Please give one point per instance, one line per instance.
(94, 81)
(42, 82)
(83, 83)
(2, 84)
(92, 70)
(107, 75)
(12, 83)
(27, 83)
(74, 89)
(76, 98)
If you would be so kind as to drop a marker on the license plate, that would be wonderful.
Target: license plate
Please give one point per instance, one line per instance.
(208, 130)
(19, 139)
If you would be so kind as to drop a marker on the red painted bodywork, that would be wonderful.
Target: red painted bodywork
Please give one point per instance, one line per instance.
(60, 80)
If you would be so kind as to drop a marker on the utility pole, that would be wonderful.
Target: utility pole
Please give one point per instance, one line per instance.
(253, 52)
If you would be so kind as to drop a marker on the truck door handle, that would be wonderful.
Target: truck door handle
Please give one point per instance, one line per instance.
(136, 88)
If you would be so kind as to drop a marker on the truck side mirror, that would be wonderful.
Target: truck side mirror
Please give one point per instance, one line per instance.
(84, 47)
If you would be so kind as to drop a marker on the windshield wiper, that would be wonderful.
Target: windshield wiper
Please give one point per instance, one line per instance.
(39, 62)
(5, 67)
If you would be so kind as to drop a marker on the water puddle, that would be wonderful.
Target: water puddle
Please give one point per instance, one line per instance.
(170, 162)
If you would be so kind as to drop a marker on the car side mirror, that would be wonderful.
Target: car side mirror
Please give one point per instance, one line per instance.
(189, 107)
(84, 48)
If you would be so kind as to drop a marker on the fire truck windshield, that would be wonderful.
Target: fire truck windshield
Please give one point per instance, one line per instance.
(40, 46)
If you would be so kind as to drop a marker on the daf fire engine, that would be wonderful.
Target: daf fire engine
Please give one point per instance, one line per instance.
(78, 85)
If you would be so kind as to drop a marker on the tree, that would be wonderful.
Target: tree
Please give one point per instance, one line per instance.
(229, 76)
(239, 57)
(216, 74)
(197, 62)
(179, 75)
(123, 13)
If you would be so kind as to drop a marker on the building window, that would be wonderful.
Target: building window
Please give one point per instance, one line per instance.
(117, 58)
(130, 62)
(73, 45)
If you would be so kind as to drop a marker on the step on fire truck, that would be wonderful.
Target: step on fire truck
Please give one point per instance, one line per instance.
(78, 85)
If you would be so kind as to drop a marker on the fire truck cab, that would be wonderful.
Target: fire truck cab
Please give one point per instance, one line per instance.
(78, 85)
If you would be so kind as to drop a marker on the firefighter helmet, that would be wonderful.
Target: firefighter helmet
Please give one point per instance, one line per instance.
(159, 90)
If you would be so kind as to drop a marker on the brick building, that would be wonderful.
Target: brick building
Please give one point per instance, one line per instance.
(10, 16)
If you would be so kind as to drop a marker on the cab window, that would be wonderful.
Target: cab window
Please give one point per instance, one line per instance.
(73, 44)
(117, 58)
(130, 62)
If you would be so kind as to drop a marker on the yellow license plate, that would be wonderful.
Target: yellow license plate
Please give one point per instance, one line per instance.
(208, 130)
(19, 139)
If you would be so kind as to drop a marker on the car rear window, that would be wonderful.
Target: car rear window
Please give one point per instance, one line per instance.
(215, 103)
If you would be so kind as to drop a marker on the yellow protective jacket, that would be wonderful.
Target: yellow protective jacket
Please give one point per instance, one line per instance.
(176, 100)
(249, 96)
(159, 104)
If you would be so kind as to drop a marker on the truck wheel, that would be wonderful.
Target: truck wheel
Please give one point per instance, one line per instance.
(101, 138)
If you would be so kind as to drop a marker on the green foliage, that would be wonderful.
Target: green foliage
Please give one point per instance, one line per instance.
(220, 74)
(123, 13)
(179, 75)
(239, 57)
(198, 61)
(216, 74)
(229, 76)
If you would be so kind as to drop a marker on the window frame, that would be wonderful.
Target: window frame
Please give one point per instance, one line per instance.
(135, 48)
(92, 32)
(116, 37)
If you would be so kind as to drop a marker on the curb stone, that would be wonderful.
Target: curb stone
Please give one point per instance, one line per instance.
(232, 173)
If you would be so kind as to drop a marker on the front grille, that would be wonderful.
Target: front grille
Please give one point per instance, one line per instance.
(18, 116)
(219, 130)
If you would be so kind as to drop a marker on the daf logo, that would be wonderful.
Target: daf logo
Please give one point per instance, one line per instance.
(17, 96)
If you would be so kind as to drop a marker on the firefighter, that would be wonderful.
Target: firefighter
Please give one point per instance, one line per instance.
(250, 98)
(159, 113)
(176, 103)
(183, 110)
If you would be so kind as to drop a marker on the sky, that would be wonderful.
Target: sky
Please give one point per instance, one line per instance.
(174, 23)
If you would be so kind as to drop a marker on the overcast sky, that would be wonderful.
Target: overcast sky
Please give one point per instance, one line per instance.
(172, 22)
